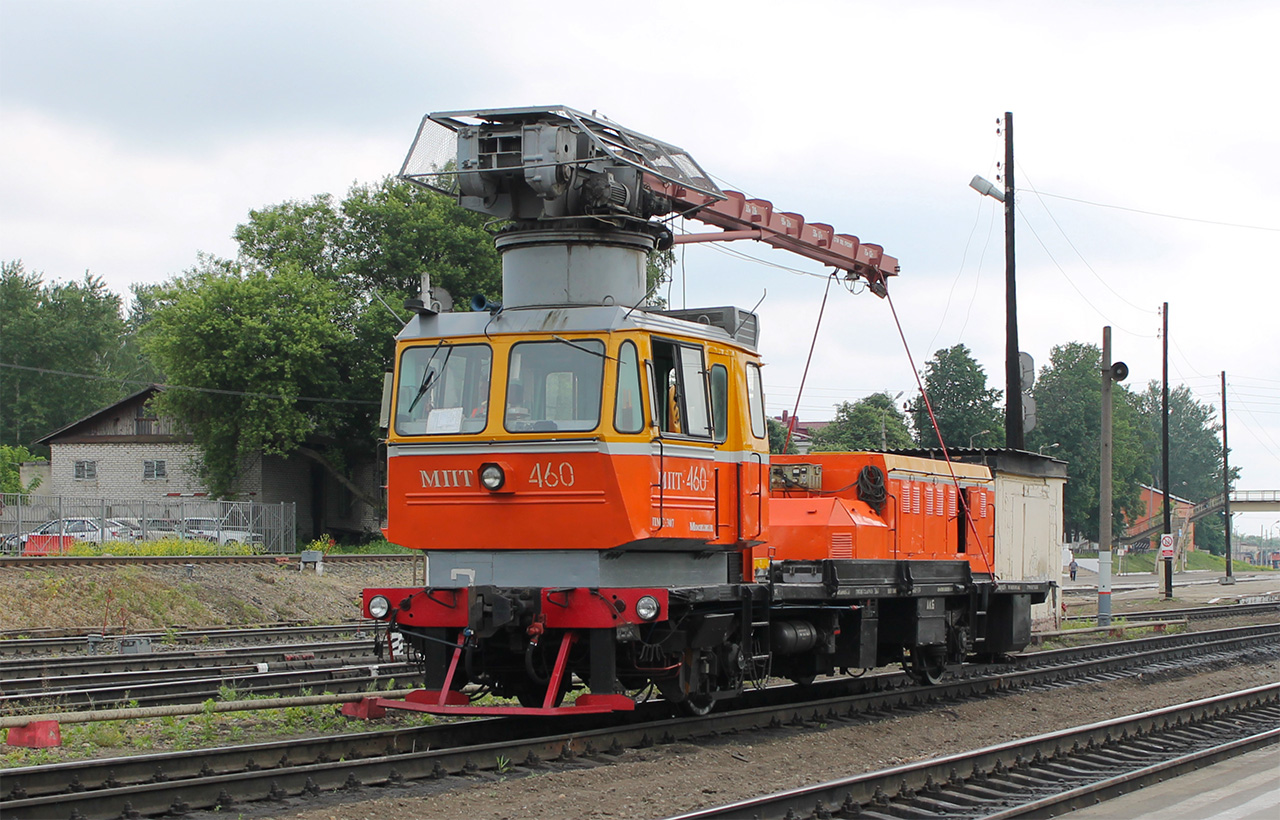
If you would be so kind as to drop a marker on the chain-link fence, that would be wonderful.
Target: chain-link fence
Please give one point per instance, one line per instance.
(43, 524)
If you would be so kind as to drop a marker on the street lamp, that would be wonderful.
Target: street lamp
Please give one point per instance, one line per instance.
(1014, 424)
(984, 432)
(1053, 446)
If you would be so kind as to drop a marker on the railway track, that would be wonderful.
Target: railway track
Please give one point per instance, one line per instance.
(33, 695)
(1193, 613)
(1042, 776)
(222, 778)
(28, 562)
(102, 667)
(14, 646)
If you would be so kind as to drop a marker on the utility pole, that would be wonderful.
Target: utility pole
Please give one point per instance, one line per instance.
(1013, 432)
(1164, 448)
(1014, 425)
(1226, 484)
(1104, 486)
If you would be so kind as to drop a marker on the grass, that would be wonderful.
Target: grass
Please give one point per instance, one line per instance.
(330, 546)
(1127, 632)
(1197, 560)
(83, 741)
(129, 596)
(195, 547)
(164, 546)
(372, 548)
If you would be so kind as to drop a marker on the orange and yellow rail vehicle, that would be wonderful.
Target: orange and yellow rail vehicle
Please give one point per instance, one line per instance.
(590, 481)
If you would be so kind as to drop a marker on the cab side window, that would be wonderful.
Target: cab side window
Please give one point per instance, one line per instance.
(628, 410)
(755, 400)
(680, 385)
(719, 402)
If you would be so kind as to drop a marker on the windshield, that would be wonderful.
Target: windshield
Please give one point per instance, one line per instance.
(554, 385)
(443, 389)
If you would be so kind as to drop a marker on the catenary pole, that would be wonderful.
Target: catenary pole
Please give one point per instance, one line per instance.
(1013, 425)
(1226, 483)
(1164, 450)
(1104, 489)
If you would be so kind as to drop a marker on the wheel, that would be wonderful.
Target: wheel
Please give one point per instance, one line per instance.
(927, 665)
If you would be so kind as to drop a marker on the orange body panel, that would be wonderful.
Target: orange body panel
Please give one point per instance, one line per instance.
(923, 515)
(810, 529)
(567, 500)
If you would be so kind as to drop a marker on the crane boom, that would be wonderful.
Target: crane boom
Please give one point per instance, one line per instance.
(741, 218)
(553, 167)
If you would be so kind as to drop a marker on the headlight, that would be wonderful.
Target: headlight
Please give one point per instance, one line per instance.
(492, 477)
(647, 608)
(379, 606)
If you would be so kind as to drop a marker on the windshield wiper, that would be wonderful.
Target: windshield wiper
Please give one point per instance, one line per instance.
(583, 348)
(430, 377)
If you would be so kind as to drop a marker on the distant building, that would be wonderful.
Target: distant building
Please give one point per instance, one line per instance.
(126, 451)
(1184, 529)
(802, 433)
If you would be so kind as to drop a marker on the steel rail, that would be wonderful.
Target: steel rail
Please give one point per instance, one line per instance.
(1074, 767)
(62, 667)
(110, 788)
(1158, 642)
(51, 686)
(1190, 613)
(115, 631)
(340, 677)
(30, 646)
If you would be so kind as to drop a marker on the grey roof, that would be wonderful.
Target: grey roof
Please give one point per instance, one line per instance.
(149, 389)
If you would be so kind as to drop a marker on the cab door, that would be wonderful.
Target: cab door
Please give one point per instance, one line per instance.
(752, 449)
(684, 498)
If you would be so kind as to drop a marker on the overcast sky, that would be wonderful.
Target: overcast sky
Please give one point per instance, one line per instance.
(135, 134)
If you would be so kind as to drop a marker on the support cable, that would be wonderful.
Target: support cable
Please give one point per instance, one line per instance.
(928, 405)
(792, 424)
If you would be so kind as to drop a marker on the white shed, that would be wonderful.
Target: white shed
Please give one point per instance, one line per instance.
(1028, 494)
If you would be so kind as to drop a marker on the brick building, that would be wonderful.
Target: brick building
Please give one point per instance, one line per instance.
(126, 451)
(802, 434)
(1184, 529)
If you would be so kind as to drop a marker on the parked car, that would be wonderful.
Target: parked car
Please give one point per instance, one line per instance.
(95, 530)
(152, 529)
(215, 531)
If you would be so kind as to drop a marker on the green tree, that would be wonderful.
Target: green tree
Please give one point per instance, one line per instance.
(1068, 398)
(11, 459)
(778, 438)
(870, 423)
(262, 348)
(965, 408)
(47, 331)
(656, 274)
(309, 291)
(381, 238)
(1195, 453)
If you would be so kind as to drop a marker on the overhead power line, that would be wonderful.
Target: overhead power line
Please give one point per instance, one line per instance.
(1156, 213)
(117, 380)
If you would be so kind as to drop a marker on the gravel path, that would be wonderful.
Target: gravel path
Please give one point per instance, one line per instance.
(654, 782)
(664, 781)
(667, 780)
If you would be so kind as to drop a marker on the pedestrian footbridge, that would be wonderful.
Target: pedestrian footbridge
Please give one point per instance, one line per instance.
(1241, 501)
